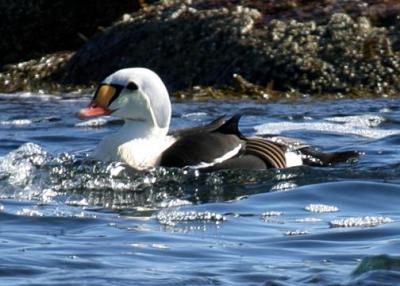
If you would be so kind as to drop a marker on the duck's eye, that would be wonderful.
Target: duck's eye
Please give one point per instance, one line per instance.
(132, 86)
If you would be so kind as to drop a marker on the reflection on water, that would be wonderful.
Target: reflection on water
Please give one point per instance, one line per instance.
(68, 218)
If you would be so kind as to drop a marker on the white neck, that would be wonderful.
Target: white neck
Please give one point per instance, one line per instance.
(138, 129)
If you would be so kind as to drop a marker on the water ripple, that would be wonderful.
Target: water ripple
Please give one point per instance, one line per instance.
(68, 218)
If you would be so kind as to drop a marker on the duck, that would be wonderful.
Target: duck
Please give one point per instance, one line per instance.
(139, 97)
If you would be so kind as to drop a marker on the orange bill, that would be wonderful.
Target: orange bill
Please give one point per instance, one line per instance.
(99, 105)
(104, 95)
(93, 110)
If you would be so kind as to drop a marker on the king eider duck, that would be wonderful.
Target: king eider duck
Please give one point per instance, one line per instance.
(139, 96)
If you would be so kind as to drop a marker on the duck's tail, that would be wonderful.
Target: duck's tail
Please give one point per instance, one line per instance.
(314, 157)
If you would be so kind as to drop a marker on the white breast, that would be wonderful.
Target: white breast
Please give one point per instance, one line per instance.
(140, 153)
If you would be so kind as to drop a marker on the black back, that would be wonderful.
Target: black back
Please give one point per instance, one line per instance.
(206, 146)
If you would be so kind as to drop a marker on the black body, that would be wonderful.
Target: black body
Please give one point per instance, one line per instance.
(206, 147)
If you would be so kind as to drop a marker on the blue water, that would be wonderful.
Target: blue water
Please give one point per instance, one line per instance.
(66, 220)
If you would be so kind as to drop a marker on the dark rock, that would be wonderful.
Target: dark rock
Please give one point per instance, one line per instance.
(185, 46)
(309, 46)
(193, 44)
(31, 29)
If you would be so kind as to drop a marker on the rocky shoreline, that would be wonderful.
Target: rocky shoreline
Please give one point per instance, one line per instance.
(253, 49)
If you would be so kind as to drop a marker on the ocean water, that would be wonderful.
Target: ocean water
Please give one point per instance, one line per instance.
(68, 220)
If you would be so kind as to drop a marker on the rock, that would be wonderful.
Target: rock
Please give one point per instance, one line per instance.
(184, 45)
(31, 29)
(192, 44)
(288, 45)
(33, 74)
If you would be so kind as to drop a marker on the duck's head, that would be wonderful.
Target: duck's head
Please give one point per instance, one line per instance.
(136, 94)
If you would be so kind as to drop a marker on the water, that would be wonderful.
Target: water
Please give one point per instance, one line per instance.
(66, 220)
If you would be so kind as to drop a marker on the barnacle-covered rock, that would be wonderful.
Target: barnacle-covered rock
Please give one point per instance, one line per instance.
(184, 45)
(190, 44)
(255, 49)
(33, 74)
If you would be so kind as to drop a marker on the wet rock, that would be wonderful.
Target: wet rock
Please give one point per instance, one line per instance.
(33, 74)
(377, 262)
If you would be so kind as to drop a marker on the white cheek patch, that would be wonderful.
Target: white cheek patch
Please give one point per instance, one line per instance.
(120, 101)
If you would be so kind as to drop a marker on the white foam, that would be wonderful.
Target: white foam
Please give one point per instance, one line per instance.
(308, 220)
(48, 195)
(171, 218)
(170, 203)
(283, 187)
(153, 245)
(271, 214)
(16, 122)
(76, 200)
(277, 128)
(194, 115)
(366, 221)
(321, 208)
(29, 212)
(296, 232)
(27, 121)
(30, 95)
(95, 122)
(361, 125)
(364, 120)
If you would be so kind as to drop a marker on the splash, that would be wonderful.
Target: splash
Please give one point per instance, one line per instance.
(271, 216)
(18, 171)
(30, 173)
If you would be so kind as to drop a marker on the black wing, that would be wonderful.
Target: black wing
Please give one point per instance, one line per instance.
(210, 127)
(205, 147)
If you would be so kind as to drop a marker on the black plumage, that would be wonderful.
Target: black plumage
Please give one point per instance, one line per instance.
(205, 146)
(220, 145)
